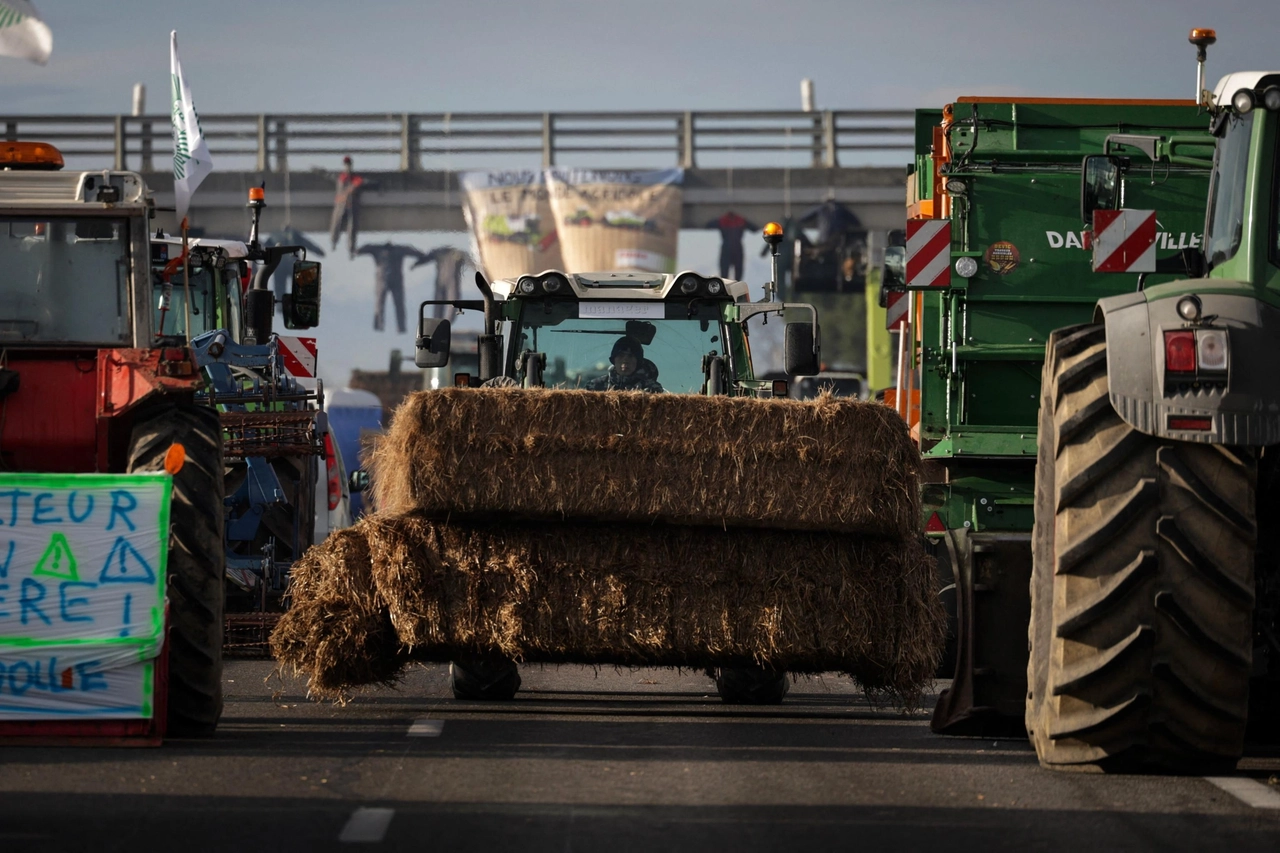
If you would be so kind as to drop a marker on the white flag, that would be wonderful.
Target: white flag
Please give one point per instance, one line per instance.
(22, 33)
(191, 160)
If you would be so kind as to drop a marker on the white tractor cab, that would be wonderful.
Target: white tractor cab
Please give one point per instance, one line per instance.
(562, 329)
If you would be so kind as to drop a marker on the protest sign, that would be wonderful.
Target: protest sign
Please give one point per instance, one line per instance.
(83, 561)
(509, 214)
(617, 220)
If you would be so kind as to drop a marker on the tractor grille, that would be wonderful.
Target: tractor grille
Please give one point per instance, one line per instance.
(270, 434)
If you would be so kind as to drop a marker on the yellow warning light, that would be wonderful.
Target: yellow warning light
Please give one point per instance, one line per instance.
(174, 458)
(1203, 36)
(772, 229)
(257, 194)
(29, 155)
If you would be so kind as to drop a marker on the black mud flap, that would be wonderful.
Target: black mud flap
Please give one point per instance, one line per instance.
(993, 608)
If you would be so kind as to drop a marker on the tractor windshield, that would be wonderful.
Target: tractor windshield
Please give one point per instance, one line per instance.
(64, 280)
(1224, 228)
(669, 340)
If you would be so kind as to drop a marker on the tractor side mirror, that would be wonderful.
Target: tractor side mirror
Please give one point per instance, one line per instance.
(301, 305)
(358, 482)
(893, 273)
(800, 356)
(1099, 184)
(431, 349)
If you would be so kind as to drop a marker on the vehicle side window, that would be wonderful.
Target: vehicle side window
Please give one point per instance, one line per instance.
(1224, 229)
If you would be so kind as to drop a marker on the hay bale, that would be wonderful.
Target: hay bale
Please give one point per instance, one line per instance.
(829, 464)
(337, 631)
(661, 595)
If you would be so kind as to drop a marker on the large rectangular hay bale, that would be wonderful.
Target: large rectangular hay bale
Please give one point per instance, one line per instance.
(829, 464)
(337, 631)
(631, 595)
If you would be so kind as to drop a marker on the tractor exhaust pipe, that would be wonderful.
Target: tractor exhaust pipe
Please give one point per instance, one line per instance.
(488, 345)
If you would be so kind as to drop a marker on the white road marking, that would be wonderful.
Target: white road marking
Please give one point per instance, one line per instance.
(426, 727)
(1251, 792)
(366, 825)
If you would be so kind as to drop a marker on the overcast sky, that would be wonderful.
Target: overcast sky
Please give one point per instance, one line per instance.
(250, 56)
(399, 55)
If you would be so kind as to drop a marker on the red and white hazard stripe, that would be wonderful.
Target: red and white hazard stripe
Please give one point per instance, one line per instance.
(928, 253)
(1124, 241)
(299, 356)
(896, 311)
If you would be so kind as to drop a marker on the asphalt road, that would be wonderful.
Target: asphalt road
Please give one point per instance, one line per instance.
(609, 760)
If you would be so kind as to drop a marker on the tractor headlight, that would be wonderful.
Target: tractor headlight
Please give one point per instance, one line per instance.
(1242, 101)
(689, 284)
(553, 284)
(527, 285)
(1271, 98)
(715, 287)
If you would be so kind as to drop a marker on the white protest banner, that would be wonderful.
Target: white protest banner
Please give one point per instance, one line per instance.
(83, 561)
(22, 33)
(617, 220)
(509, 213)
(191, 160)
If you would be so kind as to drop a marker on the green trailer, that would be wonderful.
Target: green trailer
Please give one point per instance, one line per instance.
(1003, 177)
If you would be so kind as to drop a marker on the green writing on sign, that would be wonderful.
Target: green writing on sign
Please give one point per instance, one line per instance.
(57, 561)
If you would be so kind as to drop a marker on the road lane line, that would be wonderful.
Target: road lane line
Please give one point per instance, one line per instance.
(366, 825)
(426, 727)
(1251, 792)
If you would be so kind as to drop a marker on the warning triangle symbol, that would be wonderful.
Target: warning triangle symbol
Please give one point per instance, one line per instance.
(125, 565)
(57, 561)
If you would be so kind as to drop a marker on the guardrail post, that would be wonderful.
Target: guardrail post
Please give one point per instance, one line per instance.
(282, 146)
(11, 131)
(829, 139)
(815, 147)
(261, 144)
(548, 140)
(119, 140)
(147, 145)
(688, 143)
(409, 161)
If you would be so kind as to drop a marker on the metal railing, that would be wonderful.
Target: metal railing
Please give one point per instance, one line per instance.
(447, 141)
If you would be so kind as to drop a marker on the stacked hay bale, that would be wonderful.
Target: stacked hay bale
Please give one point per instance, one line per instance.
(628, 529)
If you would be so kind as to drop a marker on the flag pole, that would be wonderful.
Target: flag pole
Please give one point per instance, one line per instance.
(186, 276)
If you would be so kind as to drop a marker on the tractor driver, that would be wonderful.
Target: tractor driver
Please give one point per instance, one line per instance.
(629, 370)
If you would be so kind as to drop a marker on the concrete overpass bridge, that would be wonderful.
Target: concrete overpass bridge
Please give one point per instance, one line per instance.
(763, 164)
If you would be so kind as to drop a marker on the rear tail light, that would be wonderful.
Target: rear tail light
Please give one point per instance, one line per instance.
(1211, 349)
(331, 469)
(1180, 352)
(1196, 351)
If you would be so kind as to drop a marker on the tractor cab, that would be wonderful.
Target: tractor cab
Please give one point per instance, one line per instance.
(624, 330)
(219, 271)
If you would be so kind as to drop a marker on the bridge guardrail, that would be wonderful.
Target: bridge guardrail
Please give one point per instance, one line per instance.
(422, 141)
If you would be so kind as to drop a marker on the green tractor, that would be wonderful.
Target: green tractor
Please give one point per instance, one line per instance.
(1155, 595)
(998, 248)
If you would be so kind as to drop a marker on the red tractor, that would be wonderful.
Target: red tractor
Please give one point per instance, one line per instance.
(88, 384)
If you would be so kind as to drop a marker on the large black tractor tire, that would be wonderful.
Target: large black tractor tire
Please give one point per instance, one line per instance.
(485, 679)
(751, 685)
(1143, 584)
(196, 560)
